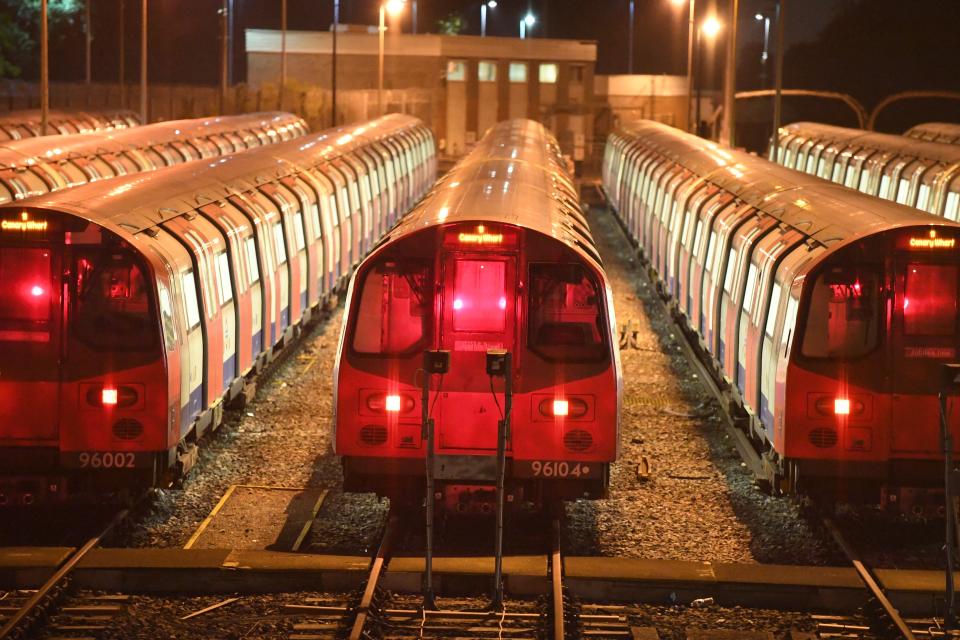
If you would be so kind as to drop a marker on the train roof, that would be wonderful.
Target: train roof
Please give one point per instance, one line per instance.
(888, 143)
(827, 213)
(111, 116)
(132, 204)
(935, 128)
(515, 175)
(27, 151)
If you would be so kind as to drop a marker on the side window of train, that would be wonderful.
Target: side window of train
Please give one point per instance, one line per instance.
(843, 315)
(711, 250)
(190, 295)
(789, 324)
(565, 314)
(166, 317)
(729, 273)
(751, 289)
(771, 325)
(278, 243)
(398, 294)
(254, 271)
(950, 210)
(223, 278)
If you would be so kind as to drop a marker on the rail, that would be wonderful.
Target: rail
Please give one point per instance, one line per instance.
(45, 598)
(889, 611)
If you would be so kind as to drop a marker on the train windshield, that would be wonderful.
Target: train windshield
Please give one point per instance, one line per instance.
(843, 316)
(110, 308)
(565, 314)
(930, 300)
(30, 293)
(394, 309)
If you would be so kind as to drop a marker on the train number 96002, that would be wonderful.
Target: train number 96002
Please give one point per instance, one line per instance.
(108, 460)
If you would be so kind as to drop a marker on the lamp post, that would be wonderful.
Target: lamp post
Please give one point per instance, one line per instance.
(766, 48)
(492, 4)
(527, 23)
(393, 7)
(333, 66)
(710, 28)
(283, 53)
(144, 104)
(44, 70)
(691, 35)
(630, 42)
(728, 130)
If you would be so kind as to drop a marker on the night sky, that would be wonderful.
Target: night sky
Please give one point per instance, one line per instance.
(867, 48)
(183, 38)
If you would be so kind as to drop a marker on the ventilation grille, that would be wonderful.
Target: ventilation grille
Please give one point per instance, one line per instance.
(577, 440)
(127, 429)
(823, 437)
(373, 435)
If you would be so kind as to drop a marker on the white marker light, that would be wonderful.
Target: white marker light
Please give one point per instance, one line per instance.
(841, 406)
(393, 403)
(561, 407)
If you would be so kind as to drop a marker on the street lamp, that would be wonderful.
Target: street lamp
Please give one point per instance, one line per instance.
(709, 28)
(492, 4)
(394, 8)
(691, 28)
(766, 47)
(527, 23)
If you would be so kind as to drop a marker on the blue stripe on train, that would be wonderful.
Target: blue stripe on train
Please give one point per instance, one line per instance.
(229, 371)
(284, 318)
(273, 333)
(741, 377)
(191, 410)
(257, 343)
(765, 416)
(723, 351)
(303, 302)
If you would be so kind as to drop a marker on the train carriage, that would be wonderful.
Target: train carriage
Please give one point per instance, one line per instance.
(17, 125)
(827, 313)
(141, 306)
(497, 257)
(35, 166)
(946, 132)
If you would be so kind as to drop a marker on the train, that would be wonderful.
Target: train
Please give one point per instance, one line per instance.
(826, 315)
(497, 261)
(920, 174)
(138, 307)
(34, 166)
(946, 132)
(17, 125)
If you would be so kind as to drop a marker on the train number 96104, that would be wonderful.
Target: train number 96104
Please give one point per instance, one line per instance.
(557, 469)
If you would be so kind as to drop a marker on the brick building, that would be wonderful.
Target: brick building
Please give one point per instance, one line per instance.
(460, 85)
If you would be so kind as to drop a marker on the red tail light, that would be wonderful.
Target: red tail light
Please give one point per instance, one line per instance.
(108, 396)
(390, 403)
(560, 407)
(841, 406)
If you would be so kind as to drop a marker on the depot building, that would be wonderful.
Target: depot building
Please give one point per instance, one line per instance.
(459, 85)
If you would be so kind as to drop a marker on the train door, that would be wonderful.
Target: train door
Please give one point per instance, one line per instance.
(31, 316)
(478, 314)
(924, 337)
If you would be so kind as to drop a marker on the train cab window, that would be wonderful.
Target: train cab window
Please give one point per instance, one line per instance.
(278, 243)
(166, 317)
(190, 296)
(223, 278)
(930, 300)
(25, 307)
(394, 309)
(253, 270)
(843, 313)
(565, 314)
(479, 296)
(110, 302)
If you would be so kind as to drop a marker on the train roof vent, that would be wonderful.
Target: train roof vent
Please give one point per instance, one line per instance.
(373, 435)
(823, 437)
(577, 440)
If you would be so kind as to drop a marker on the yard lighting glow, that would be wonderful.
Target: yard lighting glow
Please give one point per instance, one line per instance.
(711, 27)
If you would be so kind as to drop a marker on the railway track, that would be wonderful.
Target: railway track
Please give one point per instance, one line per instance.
(41, 607)
(382, 615)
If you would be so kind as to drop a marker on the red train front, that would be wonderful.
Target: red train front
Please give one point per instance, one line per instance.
(497, 257)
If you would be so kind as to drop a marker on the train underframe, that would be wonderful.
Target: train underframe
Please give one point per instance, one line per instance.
(403, 481)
